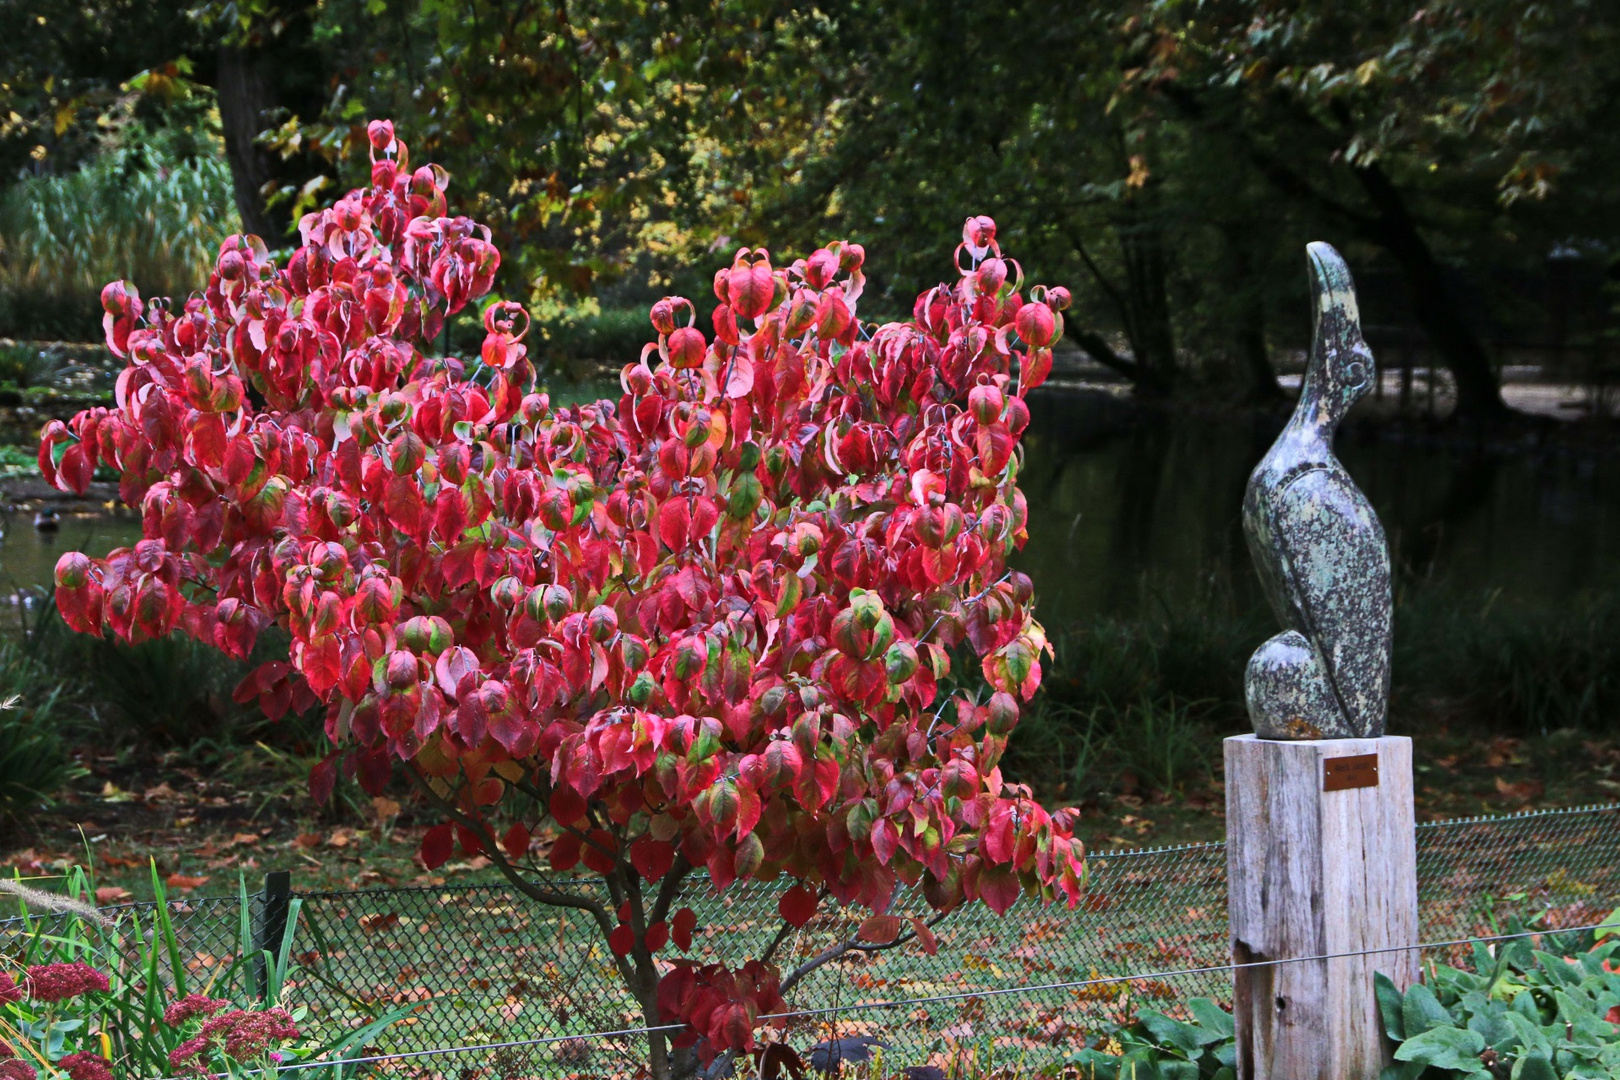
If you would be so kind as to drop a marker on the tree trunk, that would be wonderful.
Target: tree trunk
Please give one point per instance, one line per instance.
(1249, 325)
(1478, 395)
(1147, 309)
(246, 96)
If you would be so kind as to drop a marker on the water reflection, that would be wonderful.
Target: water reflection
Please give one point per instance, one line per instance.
(1131, 510)
(28, 555)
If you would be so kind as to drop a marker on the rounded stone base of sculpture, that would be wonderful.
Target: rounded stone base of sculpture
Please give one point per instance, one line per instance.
(1289, 695)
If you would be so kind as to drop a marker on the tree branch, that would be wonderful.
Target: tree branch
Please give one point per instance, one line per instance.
(670, 888)
(513, 874)
(1096, 346)
(844, 948)
(1281, 176)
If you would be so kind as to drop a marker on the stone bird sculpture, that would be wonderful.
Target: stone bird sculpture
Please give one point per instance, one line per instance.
(1318, 546)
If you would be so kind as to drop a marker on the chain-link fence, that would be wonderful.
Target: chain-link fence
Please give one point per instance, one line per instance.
(481, 964)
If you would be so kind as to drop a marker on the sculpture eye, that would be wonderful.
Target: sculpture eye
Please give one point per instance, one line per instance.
(1355, 374)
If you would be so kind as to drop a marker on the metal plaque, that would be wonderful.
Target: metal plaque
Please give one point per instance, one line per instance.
(1340, 773)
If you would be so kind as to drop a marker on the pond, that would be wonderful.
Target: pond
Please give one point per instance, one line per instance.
(28, 556)
(1133, 511)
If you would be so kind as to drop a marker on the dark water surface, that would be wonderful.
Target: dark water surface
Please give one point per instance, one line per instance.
(1132, 512)
(28, 556)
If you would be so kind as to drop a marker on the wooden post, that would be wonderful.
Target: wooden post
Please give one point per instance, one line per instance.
(1321, 859)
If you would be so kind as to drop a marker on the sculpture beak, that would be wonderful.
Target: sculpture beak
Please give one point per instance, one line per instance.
(1337, 322)
(1333, 289)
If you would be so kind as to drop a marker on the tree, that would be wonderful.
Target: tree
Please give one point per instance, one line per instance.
(730, 623)
(1396, 121)
(65, 74)
(1104, 191)
(607, 144)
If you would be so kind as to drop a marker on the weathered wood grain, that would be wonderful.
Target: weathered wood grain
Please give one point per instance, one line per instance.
(1317, 873)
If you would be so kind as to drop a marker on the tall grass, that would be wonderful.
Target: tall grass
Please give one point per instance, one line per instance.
(35, 707)
(148, 969)
(1527, 671)
(170, 692)
(140, 212)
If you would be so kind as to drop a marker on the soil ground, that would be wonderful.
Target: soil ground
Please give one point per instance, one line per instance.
(204, 827)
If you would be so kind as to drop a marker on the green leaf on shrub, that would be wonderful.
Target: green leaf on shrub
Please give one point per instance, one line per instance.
(1530, 1034)
(1558, 970)
(1491, 1024)
(1186, 1038)
(1534, 1067)
(1442, 1047)
(1422, 1010)
(1389, 1006)
(1212, 1017)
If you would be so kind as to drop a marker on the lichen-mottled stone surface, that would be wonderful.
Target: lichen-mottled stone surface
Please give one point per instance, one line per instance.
(1320, 551)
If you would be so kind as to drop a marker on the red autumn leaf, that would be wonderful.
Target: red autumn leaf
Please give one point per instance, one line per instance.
(681, 927)
(597, 852)
(322, 778)
(880, 929)
(750, 286)
(998, 888)
(925, 936)
(565, 852)
(516, 841)
(436, 843)
(797, 906)
(622, 940)
(184, 883)
(652, 858)
(404, 505)
(674, 523)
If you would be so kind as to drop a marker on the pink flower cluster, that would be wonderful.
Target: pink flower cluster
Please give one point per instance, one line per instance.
(192, 1005)
(242, 1033)
(86, 1066)
(59, 982)
(16, 1069)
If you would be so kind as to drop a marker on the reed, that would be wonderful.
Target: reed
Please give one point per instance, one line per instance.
(139, 212)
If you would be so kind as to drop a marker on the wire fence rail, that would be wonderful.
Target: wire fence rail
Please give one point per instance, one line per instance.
(533, 990)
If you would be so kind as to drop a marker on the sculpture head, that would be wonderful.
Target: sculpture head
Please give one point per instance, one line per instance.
(1341, 367)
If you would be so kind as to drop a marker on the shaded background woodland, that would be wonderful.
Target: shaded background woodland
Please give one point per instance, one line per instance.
(1166, 159)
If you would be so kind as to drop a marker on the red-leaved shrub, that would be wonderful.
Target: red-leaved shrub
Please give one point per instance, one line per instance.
(707, 625)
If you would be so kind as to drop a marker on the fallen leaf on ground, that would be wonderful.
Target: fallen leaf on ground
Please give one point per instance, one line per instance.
(112, 894)
(184, 883)
(1523, 791)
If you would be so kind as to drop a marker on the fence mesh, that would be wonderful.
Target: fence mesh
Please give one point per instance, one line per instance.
(481, 964)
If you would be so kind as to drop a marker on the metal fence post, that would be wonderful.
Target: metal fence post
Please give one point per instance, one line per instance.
(270, 926)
